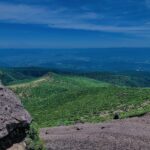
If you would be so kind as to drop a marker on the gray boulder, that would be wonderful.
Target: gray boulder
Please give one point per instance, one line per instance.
(14, 119)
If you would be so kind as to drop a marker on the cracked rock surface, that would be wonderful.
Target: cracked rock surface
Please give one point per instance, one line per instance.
(14, 119)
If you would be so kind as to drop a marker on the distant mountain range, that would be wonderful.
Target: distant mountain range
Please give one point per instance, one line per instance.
(84, 60)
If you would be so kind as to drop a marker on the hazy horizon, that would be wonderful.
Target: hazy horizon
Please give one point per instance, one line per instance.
(98, 59)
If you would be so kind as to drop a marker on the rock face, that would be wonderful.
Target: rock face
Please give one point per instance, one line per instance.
(14, 119)
(128, 134)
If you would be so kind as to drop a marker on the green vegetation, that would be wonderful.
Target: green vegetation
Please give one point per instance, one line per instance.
(32, 140)
(132, 78)
(56, 100)
(10, 76)
(62, 99)
(16, 75)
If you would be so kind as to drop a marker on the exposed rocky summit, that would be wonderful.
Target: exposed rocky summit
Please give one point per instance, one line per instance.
(128, 134)
(14, 119)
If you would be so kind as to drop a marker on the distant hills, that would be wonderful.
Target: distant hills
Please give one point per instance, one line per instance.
(16, 75)
(83, 60)
(127, 78)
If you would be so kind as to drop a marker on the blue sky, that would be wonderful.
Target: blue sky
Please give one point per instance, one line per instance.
(74, 23)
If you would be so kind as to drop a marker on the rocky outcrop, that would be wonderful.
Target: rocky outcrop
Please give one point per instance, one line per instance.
(14, 119)
(128, 134)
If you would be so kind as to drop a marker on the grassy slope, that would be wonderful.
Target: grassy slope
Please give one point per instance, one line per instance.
(61, 100)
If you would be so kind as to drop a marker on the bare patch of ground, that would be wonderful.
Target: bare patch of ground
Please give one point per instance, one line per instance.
(128, 134)
(31, 84)
(19, 146)
(28, 84)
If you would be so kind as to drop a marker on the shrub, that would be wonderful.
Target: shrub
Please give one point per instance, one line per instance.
(33, 141)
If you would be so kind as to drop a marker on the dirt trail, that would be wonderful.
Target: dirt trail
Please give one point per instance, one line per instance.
(128, 134)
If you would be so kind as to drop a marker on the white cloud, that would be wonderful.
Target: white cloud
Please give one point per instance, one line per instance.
(61, 18)
(147, 3)
(90, 15)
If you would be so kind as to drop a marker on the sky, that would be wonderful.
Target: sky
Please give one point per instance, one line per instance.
(74, 23)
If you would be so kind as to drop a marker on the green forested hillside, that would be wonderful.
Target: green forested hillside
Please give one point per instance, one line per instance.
(16, 75)
(60, 99)
(129, 78)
